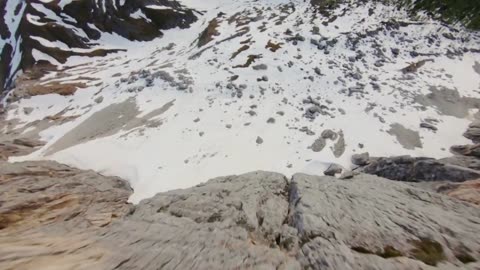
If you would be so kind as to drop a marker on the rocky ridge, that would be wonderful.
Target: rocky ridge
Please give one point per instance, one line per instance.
(34, 32)
(79, 219)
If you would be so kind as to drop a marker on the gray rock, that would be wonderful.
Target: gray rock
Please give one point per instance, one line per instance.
(360, 159)
(333, 169)
(98, 99)
(428, 126)
(470, 162)
(473, 133)
(339, 147)
(414, 169)
(318, 145)
(27, 142)
(27, 110)
(346, 174)
(466, 150)
(259, 140)
(271, 120)
(260, 67)
(329, 134)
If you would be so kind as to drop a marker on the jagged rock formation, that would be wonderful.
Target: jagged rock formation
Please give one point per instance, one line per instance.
(255, 220)
(463, 166)
(413, 169)
(51, 214)
(32, 31)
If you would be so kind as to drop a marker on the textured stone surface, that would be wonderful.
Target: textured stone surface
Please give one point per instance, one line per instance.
(336, 217)
(468, 191)
(412, 169)
(51, 214)
(258, 220)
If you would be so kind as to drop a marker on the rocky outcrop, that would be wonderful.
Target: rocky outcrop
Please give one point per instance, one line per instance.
(46, 193)
(30, 27)
(255, 220)
(413, 169)
(51, 215)
(468, 191)
(18, 147)
(463, 166)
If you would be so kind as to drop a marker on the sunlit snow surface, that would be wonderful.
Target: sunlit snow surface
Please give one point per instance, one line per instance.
(208, 132)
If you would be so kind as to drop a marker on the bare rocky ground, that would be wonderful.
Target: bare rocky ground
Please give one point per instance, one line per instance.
(56, 217)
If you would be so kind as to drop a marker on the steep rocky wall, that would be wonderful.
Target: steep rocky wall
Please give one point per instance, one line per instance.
(32, 27)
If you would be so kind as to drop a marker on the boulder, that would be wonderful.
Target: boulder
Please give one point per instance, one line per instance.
(333, 169)
(361, 159)
(318, 144)
(373, 223)
(466, 150)
(414, 169)
(473, 133)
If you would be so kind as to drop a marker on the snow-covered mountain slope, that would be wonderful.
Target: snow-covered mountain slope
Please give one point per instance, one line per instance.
(35, 31)
(273, 85)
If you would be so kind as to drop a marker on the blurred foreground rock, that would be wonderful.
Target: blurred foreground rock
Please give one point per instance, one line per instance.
(56, 217)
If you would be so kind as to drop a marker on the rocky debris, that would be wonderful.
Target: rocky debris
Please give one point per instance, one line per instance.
(333, 169)
(414, 169)
(73, 26)
(361, 159)
(370, 223)
(98, 100)
(468, 191)
(395, 51)
(307, 131)
(255, 220)
(46, 192)
(413, 67)
(346, 174)
(329, 134)
(409, 139)
(18, 147)
(466, 150)
(428, 126)
(339, 146)
(27, 110)
(473, 132)
(260, 67)
(318, 145)
(470, 162)
(27, 142)
(295, 39)
(55, 213)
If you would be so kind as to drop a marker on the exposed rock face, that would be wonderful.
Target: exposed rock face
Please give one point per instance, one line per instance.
(48, 192)
(466, 150)
(257, 221)
(18, 147)
(468, 191)
(51, 215)
(28, 26)
(361, 159)
(370, 215)
(412, 169)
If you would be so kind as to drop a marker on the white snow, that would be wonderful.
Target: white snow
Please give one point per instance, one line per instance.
(182, 152)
